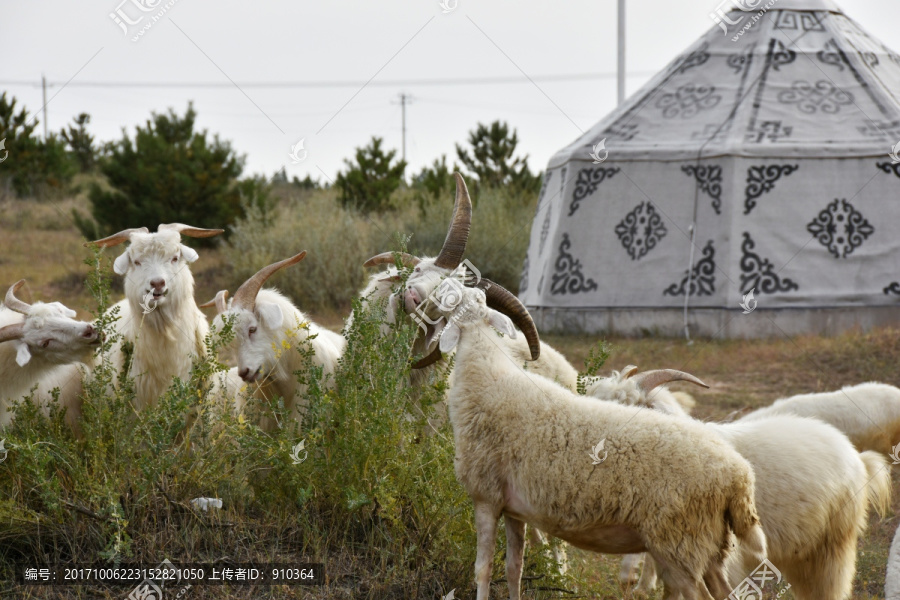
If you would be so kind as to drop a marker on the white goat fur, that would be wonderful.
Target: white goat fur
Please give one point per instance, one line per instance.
(425, 278)
(522, 445)
(273, 349)
(808, 497)
(25, 363)
(170, 338)
(868, 413)
(892, 580)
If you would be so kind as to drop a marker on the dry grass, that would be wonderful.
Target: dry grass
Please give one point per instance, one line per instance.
(43, 245)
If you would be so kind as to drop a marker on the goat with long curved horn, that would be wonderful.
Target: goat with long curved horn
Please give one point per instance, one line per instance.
(245, 296)
(190, 231)
(648, 380)
(117, 238)
(13, 303)
(505, 302)
(387, 258)
(220, 302)
(455, 243)
(12, 332)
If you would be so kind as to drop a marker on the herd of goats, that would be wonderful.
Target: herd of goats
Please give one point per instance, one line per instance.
(698, 505)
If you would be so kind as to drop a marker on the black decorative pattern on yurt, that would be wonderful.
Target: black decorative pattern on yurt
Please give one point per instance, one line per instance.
(781, 55)
(622, 131)
(795, 20)
(740, 61)
(893, 288)
(758, 273)
(840, 228)
(890, 167)
(777, 56)
(587, 183)
(760, 180)
(709, 178)
(771, 131)
(702, 276)
(545, 230)
(568, 278)
(694, 59)
(810, 98)
(688, 101)
(831, 55)
(641, 230)
(523, 279)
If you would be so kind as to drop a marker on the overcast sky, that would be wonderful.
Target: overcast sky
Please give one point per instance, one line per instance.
(393, 45)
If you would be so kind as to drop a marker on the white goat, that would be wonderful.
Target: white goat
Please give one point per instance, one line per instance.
(268, 330)
(868, 413)
(808, 494)
(892, 580)
(159, 315)
(667, 486)
(427, 274)
(42, 345)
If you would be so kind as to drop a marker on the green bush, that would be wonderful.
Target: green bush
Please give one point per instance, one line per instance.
(339, 240)
(168, 173)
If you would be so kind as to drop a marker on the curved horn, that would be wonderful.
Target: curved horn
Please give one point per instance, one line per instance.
(458, 234)
(245, 296)
(428, 360)
(648, 380)
(12, 332)
(117, 238)
(220, 302)
(13, 303)
(194, 232)
(502, 300)
(407, 260)
(628, 372)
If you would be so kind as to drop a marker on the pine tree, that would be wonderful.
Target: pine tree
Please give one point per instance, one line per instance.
(80, 142)
(369, 182)
(492, 162)
(167, 173)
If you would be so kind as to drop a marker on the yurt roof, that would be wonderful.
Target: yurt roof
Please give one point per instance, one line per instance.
(803, 80)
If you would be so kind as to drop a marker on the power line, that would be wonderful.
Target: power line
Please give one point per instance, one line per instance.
(329, 84)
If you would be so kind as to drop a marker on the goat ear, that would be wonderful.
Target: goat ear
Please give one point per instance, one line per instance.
(434, 332)
(189, 253)
(449, 338)
(23, 355)
(270, 314)
(120, 266)
(501, 323)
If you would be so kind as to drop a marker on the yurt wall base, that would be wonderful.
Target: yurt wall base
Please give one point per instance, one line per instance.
(714, 322)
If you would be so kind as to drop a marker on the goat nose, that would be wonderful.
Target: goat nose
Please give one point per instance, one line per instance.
(243, 373)
(88, 331)
(158, 284)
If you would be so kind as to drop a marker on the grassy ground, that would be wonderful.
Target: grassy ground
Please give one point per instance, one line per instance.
(43, 246)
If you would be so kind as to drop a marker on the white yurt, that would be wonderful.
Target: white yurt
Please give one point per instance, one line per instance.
(764, 159)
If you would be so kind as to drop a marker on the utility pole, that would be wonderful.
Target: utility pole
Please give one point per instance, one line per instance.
(44, 88)
(621, 53)
(404, 100)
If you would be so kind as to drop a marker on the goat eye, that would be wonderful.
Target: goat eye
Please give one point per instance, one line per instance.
(252, 330)
(418, 269)
(137, 263)
(174, 259)
(45, 343)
